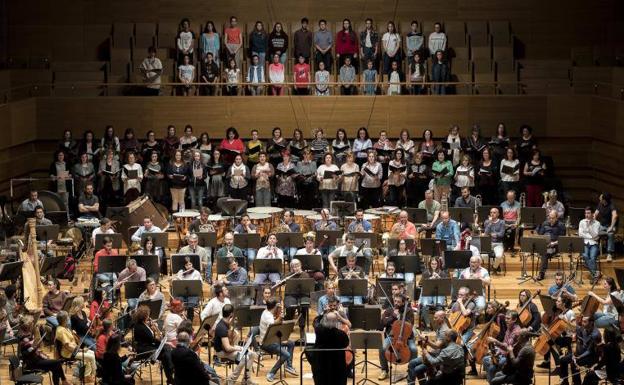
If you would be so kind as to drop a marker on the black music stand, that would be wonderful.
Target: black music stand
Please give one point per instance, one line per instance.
(58, 217)
(160, 239)
(457, 259)
(532, 216)
(300, 289)
(248, 316)
(134, 289)
(416, 215)
(366, 339)
(115, 237)
(384, 286)
(278, 334)
(332, 237)
(242, 295)
(268, 266)
(353, 288)
(360, 261)
(149, 263)
(10, 271)
(310, 262)
(483, 243)
(207, 238)
(112, 263)
(473, 285)
(575, 215)
(440, 287)
(532, 245)
(407, 263)
(369, 238)
(154, 306)
(177, 262)
(52, 266)
(289, 240)
(573, 245)
(187, 288)
(47, 233)
(223, 264)
(393, 244)
(247, 241)
(367, 317)
(342, 209)
(432, 247)
(462, 214)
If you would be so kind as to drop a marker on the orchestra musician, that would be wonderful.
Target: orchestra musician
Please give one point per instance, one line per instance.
(391, 272)
(554, 228)
(433, 211)
(495, 228)
(563, 311)
(511, 216)
(216, 304)
(518, 369)
(535, 321)
(201, 224)
(79, 322)
(433, 271)
(351, 271)
(476, 271)
(173, 319)
(562, 287)
(272, 315)
(246, 227)
(325, 223)
(227, 349)
(416, 369)
(147, 227)
(310, 249)
(448, 230)
(450, 359)
(147, 248)
(288, 220)
(106, 227)
(31, 203)
(53, 302)
(404, 229)
(606, 213)
(300, 302)
(153, 293)
(465, 303)
(585, 354)
(347, 249)
(323, 301)
(236, 275)
(270, 251)
(193, 247)
(509, 340)
(360, 225)
(589, 230)
(609, 314)
(467, 200)
(188, 366)
(388, 317)
(553, 204)
(66, 343)
(228, 250)
(610, 356)
(188, 273)
(104, 277)
(132, 273)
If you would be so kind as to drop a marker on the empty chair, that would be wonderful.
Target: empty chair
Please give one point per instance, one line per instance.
(145, 35)
(478, 32)
(501, 32)
(122, 35)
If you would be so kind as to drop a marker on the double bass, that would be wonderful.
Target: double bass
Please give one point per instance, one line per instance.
(398, 351)
(491, 329)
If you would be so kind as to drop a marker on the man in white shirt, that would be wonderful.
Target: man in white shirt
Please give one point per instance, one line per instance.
(105, 228)
(589, 230)
(193, 248)
(147, 227)
(151, 69)
(269, 251)
(437, 39)
(273, 314)
(476, 271)
(215, 305)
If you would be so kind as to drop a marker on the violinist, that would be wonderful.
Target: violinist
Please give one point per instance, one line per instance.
(32, 356)
(450, 359)
(518, 369)
(270, 251)
(188, 273)
(561, 287)
(563, 311)
(433, 271)
(585, 354)
(393, 314)
(132, 273)
(351, 271)
(536, 320)
(188, 366)
(416, 368)
(172, 320)
(609, 314)
(147, 338)
(496, 360)
(297, 302)
(80, 323)
(271, 315)
(476, 271)
(466, 304)
(152, 293)
(68, 348)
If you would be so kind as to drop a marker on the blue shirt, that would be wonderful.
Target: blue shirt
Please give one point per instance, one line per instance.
(136, 237)
(448, 233)
(554, 289)
(322, 303)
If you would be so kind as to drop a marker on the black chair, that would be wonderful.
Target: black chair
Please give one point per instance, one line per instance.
(16, 373)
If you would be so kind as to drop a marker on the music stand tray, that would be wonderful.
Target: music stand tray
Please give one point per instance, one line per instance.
(247, 241)
(177, 262)
(432, 247)
(416, 215)
(52, 266)
(267, 266)
(186, 288)
(407, 263)
(10, 271)
(115, 237)
(207, 239)
(248, 316)
(223, 267)
(369, 238)
(367, 317)
(462, 214)
(483, 243)
(457, 259)
(47, 232)
(134, 289)
(619, 276)
(112, 263)
(310, 262)
(353, 287)
(242, 295)
(278, 333)
(474, 285)
(299, 287)
(532, 216)
(332, 237)
(366, 339)
(290, 239)
(160, 239)
(149, 262)
(570, 244)
(154, 305)
(440, 287)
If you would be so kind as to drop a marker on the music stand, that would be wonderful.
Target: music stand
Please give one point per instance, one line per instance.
(159, 239)
(289, 240)
(332, 237)
(532, 216)
(247, 241)
(353, 288)
(575, 215)
(440, 287)
(299, 287)
(532, 245)
(267, 266)
(242, 295)
(462, 214)
(484, 212)
(115, 237)
(223, 264)
(432, 247)
(416, 215)
(572, 245)
(366, 339)
(473, 285)
(154, 305)
(360, 261)
(248, 316)
(149, 263)
(548, 304)
(483, 243)
(58, 217)
(278, 334)
(310, 262)
(619, 276)
(177, 262)
(47, 233)
(52, 266)
(134, 289)
(10, 271)
(407, 263)
(207, 238)
(112, 264)
(393, 244)
(369, 238)
(186, 288)
(367, 317)
(457, 259)
(342, 209)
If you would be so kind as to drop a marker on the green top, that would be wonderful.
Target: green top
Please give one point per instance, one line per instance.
(446, 168)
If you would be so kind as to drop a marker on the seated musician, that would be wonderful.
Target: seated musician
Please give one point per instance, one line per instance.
(450, 359)
(553, 204)
(31, 203)
(589, 230)
(609, 314)
(33, 357)
(266, 294)
(323, 301)
(416, 368)
(193, 248)
(215, 305)
(201, 224)
(388, 317)
(105, 228)
(509, 339)
(448, 230)
(53, 302)
(609, 361)
(272, 315)
(562, 311)
(246, 227)
(40, 219)
(476, 271)
(325, 224)
(351, 271)
(288, 219)
(606, 213)
(535, 321)
(132, 273)
(401, 251)
(188, 273)
(467, 200)
(188, 366)
(511, 215)
(433, 211)
(520, 360)
(270, 251)
(173, 319)
(433, 271)
(104, 277)
(391, 271)
(467, 305)
(147, 339)
(66, 345)
(88, 203)
(495, 228)
(105, 332)
(227, 349)
(147, 248)
(585, 354)
(361, 225)
(228, 250)
(294, 302)
(552, 227)
(404, 229)
(347, 249)
(236, 275)
(153, 293)
(147, 227)
(310, 249)
(561, 287)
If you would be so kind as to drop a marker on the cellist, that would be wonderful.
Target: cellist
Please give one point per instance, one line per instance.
(494, 315)
(416, 368)
(496, 360)
(536, 320)
(388, 318)
(468, 307)
(561, 287)
(563, 311)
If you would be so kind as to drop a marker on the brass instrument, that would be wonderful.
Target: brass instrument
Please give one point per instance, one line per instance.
(207, 228)
(546, 196)
(281, 228)
(351, 273)
(444, 202)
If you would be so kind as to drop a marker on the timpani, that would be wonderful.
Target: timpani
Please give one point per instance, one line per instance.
(274, 212)
(263, 223)
(221, 225)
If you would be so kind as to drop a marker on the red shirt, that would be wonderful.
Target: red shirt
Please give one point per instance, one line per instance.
(302, 73)
(346, 43)
(232, 35)
(100, 345)
(100, 253)
(236, 145)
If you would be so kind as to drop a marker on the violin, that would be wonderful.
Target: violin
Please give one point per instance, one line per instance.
(398, 351)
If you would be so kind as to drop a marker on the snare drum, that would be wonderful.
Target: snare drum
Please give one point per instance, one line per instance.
(300, 219)
(262, 223)
(274, 212)
(221, 224)
(374, 220)
(388, 219)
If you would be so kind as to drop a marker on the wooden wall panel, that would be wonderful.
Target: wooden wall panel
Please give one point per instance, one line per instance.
(567, 115)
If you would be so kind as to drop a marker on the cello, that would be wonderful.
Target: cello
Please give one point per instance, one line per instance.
(524, 313)
(398, 352)
(458, 321)
(553, 331)
(491, 329)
